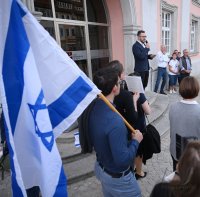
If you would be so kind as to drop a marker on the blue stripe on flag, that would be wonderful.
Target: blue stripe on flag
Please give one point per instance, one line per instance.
(16, 48)
(68, 101)
(62, 185)
(15, 187)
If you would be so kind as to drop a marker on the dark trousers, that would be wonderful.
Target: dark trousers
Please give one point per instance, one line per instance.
(145, 77)
(174, 163)
(162, 74)
(33, 192)
(182, 76)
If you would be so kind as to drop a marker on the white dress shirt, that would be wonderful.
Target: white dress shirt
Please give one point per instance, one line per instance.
(162, 59)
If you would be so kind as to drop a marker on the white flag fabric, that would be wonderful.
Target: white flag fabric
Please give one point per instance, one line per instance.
(42, 90)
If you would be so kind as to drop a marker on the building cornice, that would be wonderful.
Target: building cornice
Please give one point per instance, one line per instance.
(168, 7)
(131, 29)
(196, 3)
(194, 17)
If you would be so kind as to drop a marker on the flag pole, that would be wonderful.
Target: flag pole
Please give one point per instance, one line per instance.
(115, 110)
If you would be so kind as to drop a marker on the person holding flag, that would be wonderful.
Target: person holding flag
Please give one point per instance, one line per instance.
(42, 93)
(108, 135)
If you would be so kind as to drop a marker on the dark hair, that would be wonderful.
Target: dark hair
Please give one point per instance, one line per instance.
(105, 79)
(117, 66)
(140, 32)
(189, 88)
(162, 189)
(189, 172)
(174, 53)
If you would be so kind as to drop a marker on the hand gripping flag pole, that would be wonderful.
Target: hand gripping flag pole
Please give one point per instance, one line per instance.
(115, 110)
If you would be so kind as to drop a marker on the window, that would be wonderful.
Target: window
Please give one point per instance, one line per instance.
(83, 36)
(169, 19)
(192, 36)
(166, 30)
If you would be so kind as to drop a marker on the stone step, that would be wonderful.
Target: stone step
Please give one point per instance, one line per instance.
(158, 107)
(162, 123)
(69, 152)
(67, 137)
(151, 97)
(80, 169)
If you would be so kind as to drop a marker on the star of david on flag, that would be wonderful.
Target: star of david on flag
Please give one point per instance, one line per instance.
(38, 108)
(42, 93)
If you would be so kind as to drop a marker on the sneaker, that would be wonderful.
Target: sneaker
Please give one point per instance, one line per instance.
(170, 91)
(173, 91)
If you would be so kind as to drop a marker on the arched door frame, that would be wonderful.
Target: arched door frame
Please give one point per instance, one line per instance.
(130, 29)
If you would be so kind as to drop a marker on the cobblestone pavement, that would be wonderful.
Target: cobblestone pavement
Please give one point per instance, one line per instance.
(156, 168)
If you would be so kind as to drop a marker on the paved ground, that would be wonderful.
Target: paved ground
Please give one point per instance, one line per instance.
(156, 169)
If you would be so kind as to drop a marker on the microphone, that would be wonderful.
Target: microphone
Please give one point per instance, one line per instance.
(145, 42)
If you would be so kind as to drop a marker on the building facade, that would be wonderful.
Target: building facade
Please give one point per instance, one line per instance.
(94, 32)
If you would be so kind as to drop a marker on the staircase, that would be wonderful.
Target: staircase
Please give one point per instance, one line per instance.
(79, 166)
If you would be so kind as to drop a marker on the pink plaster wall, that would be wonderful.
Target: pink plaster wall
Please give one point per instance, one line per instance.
(116, 21)
(138, 10)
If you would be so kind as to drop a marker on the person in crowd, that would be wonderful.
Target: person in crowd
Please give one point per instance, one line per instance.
(143, 109)
(184, 116)
(178, 56)
(125, 101)
(140, 51)
(162, 60)
(108, 135)
(186, 183)
(173, 73)
(185, 65)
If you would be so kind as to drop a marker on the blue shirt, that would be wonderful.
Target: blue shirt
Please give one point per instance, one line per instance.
(109, 137)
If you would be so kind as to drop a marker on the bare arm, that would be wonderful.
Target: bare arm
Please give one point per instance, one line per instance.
(135, 99)
(146, 108)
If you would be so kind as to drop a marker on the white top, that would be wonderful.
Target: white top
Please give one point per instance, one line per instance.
(162, 59)
(174, 64)
(189, 102)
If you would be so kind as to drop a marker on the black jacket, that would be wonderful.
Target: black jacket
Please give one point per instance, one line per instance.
(151, 142)
(83, 124)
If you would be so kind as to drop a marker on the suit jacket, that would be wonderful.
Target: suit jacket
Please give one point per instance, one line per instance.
(141, 57)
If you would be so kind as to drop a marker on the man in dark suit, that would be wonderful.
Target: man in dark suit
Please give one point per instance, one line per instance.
(140, 51)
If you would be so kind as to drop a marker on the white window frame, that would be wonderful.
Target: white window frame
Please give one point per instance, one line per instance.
(173, 10)
(194, 34)
(166, 30)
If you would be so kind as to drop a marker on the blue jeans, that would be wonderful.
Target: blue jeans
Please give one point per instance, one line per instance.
(162, 73)
(173, 80)
(125, 186)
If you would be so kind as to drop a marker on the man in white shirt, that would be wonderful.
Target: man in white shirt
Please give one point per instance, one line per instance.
(162, 60)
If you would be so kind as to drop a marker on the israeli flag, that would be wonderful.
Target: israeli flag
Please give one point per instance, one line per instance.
(42, 92)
